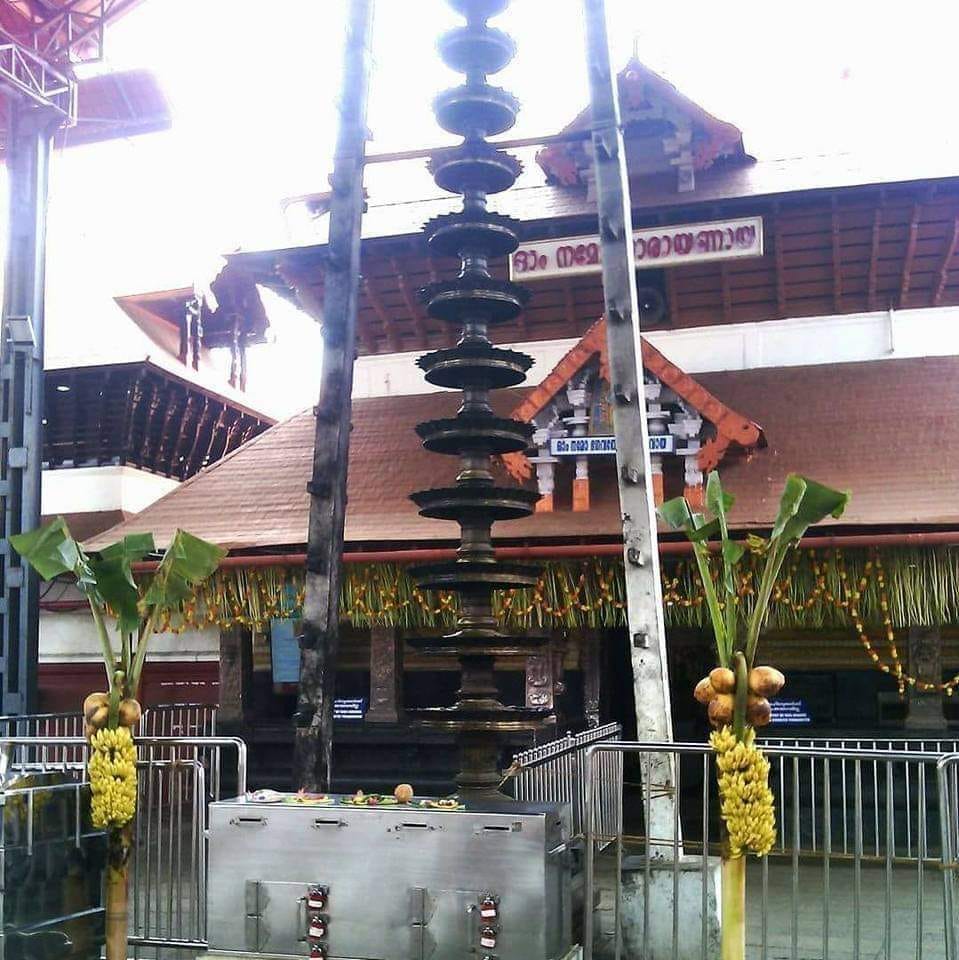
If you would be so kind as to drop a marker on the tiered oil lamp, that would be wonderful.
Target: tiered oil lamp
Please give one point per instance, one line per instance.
(476, 301)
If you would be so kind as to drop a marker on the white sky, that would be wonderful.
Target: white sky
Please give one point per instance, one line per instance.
(252, 86)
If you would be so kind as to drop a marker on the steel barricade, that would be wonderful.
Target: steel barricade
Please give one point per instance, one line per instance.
(916, 807)
(169, 857)
(844, 900)
(554, 772)
(948, 772)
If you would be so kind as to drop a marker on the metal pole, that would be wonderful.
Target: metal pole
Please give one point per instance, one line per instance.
(21, 393)
(643, 591)
(319, 640)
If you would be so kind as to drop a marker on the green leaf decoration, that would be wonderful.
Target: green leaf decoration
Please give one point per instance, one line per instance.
(52, 552)
(187, 561)
(113, 571)
(675, 513)
(804, 503)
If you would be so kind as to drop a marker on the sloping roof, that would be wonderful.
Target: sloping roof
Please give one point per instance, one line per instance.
(886, 430)
(542, 202)
(731, 427)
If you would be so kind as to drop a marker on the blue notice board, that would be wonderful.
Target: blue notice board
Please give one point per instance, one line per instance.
(285, 651)
(790, 712)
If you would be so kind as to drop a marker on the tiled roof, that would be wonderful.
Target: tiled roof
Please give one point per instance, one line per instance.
(885, 430)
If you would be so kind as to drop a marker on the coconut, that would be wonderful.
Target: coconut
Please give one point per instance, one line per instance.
(723, 680)
(765, 681)
(403, 793)
(704, 691)
(93, 703)
(721, 709)
(758, 711)
(129, 713)
(100, 717)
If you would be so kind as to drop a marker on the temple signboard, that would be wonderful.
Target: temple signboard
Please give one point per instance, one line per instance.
(652, 248)
(591, 446)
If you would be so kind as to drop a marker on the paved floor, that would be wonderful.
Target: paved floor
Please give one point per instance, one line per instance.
(796, 917)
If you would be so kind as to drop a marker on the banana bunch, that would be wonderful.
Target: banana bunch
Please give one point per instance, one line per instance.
(113, 777)
(746, 800)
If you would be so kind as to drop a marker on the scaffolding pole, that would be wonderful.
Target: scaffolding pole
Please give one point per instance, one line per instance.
(319, 638)
(21, 393)
(644, 600)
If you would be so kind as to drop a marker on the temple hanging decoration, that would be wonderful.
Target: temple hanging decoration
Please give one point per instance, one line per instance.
(862, 591)
(474, 301)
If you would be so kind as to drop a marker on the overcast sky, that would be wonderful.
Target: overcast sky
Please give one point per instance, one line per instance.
(252, 86)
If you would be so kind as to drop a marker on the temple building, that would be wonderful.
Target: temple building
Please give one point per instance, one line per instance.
(799, 316)
(128, 418)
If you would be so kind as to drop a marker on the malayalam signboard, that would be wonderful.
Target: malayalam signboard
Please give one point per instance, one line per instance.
(591, 446)
(653, 247)
(790, 712)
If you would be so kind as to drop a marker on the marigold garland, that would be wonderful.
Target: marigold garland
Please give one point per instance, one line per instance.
(831, 589)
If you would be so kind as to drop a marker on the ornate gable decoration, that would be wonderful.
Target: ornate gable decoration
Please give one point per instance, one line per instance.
(664, 131)
(690, 430)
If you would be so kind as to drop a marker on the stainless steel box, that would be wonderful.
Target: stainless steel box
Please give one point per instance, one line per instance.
(393, 883)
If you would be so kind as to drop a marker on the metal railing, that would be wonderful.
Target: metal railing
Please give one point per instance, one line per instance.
(841, 902)
(915, 802)
(178, 778)
(948, 775)
(555, 773)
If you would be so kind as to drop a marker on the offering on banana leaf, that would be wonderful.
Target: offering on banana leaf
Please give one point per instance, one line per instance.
(309, 799)
(361, 799)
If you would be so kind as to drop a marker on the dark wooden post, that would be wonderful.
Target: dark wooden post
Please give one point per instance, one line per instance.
(590, 665)
(386, 676)
(925, 664)
(236, 668)
(319, 641)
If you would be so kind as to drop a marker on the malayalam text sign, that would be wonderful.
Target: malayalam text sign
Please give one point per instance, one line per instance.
(652, 247)
(594, 446)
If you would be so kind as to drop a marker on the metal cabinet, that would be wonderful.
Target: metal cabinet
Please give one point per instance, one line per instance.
(391, 883)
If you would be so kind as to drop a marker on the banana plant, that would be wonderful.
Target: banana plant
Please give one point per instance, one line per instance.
(736, 692)
(107, 581)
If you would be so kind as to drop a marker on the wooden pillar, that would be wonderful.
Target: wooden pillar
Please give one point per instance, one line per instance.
(236, 668)
(925, 664)
(386, 676)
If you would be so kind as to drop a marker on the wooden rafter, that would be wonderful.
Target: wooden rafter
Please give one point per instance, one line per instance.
(389, 328)
(911, 239)
(727, 293)
(672, 298)
(874, 258)
(187, 426)
(942, 277)
(414, 308)
(201, 420)
(780, 263)
(153, 406)
(836, 258)
(172, 407)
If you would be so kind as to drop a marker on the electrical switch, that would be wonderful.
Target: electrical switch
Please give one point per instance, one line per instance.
(317, 952)
(317, 928)
(488, 938)
(316, 898)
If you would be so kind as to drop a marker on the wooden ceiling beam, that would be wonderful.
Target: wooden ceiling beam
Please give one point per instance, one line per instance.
(187, 426)
(726, 292)
(942, 276)
(871, 300)
(412, 305)
(836, 257)
(911, 240)
(389, 328)
(780, 261)
(201, 420)
(153, 406)
(672, 297)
